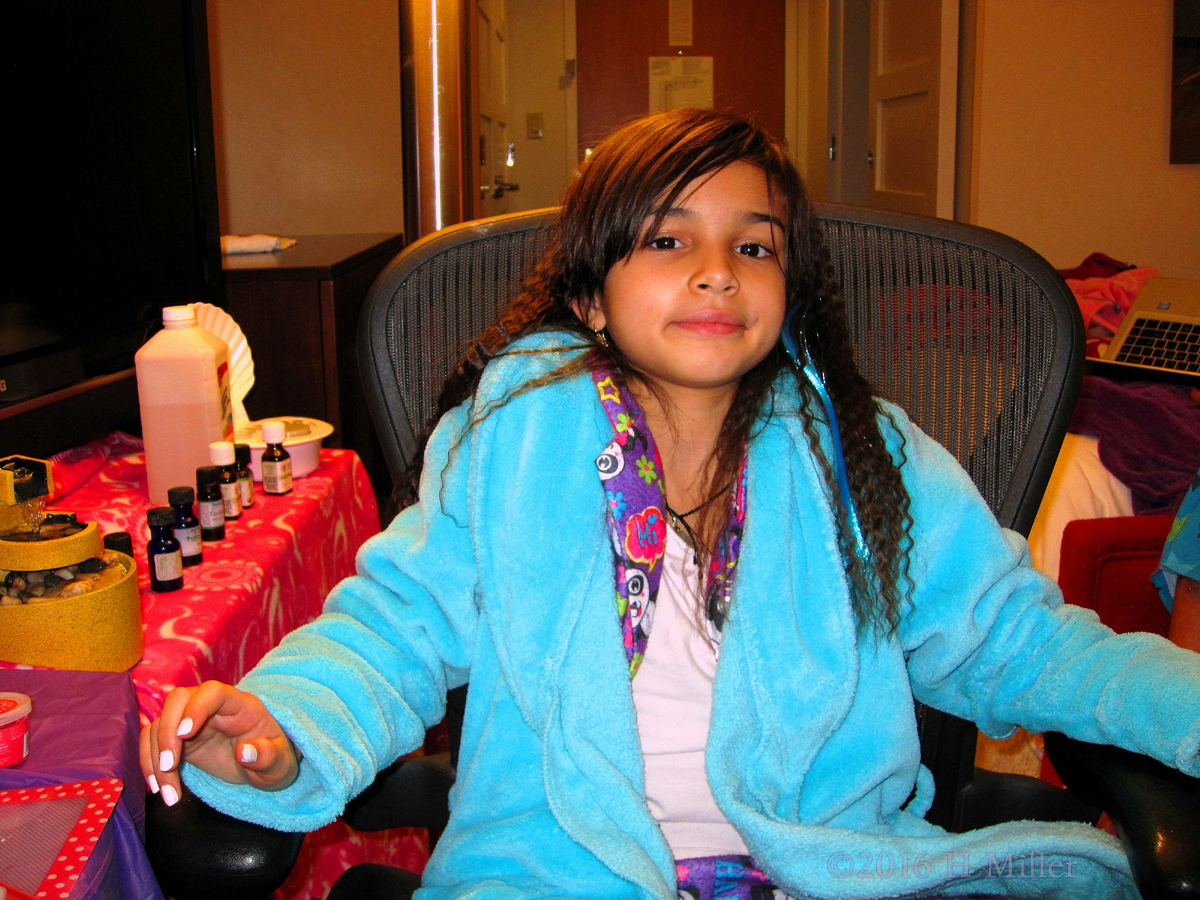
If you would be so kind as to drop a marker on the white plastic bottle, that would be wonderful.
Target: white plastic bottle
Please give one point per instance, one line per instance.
(183, 391)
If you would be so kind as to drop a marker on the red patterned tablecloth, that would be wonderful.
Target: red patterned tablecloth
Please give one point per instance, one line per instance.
(269, 575)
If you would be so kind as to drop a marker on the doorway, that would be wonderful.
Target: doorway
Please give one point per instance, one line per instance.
(559, 78)
(542, 99)
(491, 151)
(892, 104)
(574, 74)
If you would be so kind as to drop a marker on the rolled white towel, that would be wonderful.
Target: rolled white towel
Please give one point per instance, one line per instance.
(254, 243)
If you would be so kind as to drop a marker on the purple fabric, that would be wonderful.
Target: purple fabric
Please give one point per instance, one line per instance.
(1149, 437)
(737, 878)
(719, 877)
(84, 726)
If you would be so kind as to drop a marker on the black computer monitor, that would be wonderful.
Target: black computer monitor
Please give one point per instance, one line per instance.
(110, 188)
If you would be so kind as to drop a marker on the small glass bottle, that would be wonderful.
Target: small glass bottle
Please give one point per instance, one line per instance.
(241, 453)
(220, 453)
(163, 551)
(187, 526)
(276, 462)
(209, 504)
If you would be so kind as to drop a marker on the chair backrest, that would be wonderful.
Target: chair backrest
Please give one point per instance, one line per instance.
(973, 333)
(425, 308)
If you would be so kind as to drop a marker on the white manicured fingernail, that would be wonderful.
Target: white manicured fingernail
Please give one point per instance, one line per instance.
(184, 727)
(153, 782)
(249, 753)
(170, 795)
(166, 760)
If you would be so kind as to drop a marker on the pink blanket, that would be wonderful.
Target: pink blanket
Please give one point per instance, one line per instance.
(1105, 301)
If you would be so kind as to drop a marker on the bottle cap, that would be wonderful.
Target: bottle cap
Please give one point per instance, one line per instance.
(220, 453)
(119, 541)
(181, 496)
(273, 432)
(160, 517)
(178, 314)
(241, 452)
(208, 475)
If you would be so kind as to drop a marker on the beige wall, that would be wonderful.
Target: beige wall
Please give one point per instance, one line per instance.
(306, 109)
(1073, 131)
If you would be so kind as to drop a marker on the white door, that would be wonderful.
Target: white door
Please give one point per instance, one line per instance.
(847, 170)
(913, 70)
(493, 153)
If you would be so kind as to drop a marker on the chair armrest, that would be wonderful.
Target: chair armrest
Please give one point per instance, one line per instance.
(995, 797)
(413, 792)
(1155, 808)
(197, 852)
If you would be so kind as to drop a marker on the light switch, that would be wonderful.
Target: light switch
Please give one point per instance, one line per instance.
(533, 126)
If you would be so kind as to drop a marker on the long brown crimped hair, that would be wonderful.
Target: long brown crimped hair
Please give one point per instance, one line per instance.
(621, 193)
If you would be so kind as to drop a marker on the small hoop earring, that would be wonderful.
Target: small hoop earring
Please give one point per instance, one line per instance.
(602, 338)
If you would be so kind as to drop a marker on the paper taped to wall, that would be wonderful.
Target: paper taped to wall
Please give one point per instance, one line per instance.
(677, 82)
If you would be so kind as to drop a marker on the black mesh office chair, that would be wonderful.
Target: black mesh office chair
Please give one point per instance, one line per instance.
(971, 332)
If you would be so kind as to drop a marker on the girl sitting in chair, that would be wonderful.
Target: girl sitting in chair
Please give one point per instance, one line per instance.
(696, 575)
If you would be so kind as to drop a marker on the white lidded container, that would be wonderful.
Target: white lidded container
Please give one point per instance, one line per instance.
(302, 442)
(183, 391)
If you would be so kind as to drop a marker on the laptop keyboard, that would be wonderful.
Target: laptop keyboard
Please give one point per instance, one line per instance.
(1163, 345)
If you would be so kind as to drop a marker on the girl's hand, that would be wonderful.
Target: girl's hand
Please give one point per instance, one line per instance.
(226, 732)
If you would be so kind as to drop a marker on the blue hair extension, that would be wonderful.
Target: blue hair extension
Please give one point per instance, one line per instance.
(805, 364)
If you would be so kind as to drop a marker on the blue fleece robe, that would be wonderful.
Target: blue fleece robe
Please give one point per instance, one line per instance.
(503, 575)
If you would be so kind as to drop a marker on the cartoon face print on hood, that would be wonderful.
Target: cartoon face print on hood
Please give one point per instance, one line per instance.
(611, 461)
(637, 586)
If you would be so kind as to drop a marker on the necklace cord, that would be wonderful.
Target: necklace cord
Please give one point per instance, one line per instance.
(696, 509)
(680, 519)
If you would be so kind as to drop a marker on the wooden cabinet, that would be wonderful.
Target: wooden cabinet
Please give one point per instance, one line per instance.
(299, 309)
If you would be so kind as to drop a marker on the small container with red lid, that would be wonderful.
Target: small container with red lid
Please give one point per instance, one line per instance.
(14, 728)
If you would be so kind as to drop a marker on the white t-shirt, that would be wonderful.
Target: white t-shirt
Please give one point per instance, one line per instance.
(672, 694)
